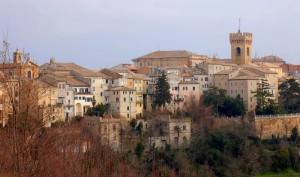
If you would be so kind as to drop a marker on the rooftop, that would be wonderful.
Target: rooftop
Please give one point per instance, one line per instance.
(170, 54)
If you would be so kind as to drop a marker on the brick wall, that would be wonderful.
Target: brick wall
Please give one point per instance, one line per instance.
(278, 125)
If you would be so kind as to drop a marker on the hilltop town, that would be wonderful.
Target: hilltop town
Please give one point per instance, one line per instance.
(118, 104)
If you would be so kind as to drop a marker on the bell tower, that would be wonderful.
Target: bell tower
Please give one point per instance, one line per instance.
(241, 47)
(17, 57)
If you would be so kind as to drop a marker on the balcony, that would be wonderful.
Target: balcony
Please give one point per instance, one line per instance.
(178, 99)
(82, 93)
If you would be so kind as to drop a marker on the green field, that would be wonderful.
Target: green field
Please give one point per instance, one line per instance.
(280, 175)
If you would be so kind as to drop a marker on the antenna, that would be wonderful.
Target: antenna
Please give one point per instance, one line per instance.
(239, 24)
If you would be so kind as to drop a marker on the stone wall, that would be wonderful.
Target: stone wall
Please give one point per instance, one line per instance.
(277, 125)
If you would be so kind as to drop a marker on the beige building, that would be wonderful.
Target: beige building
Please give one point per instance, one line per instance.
(244, 82)
(213, 66)
(121, 102)
(173, 58)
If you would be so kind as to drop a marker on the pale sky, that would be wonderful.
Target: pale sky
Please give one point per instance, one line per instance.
(103, 33)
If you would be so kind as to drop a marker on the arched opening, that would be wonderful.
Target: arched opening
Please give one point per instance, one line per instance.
(238, 51)
(248, 51)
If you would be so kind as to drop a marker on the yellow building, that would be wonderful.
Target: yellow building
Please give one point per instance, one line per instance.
(121, 102)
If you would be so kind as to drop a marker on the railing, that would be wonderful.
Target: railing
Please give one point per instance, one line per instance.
(278, 115)
(178, 99)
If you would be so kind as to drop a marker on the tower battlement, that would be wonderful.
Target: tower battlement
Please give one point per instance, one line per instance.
(239, 34)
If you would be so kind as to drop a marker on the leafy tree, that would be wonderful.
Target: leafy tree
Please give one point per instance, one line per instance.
(97, 110)
(162, 91)
(133, 123)
(282, 159)
(139, 128)
(294, 135)
(264, 102)
(233, 107)
(222, 104)
(215, 98)
(139, 150)
(290, 94)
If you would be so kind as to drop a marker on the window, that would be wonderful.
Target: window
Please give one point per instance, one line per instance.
(184, 140)
(248, 51)
(117, 99)
(131, 99)
(106, 80)
(194, 88)
(206, 78)
(114, 127)
(176, 140)
(184, 127)
(127, 108)
(101, 94)
(238, 51)
(124, 99)
(29, 74)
